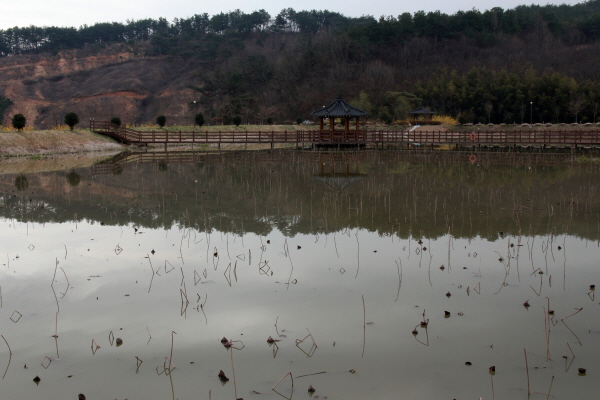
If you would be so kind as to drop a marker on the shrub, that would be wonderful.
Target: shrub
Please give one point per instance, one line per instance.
(161, 120)
(444, 119)
(116, 121)
(298, 120)
(270, 120)
(386, 118)
(237, 120)
(199, 119)
(19, 121)
(71, 119)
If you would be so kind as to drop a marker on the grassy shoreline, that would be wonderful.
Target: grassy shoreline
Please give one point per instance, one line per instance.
(54, 141)
(64, 141)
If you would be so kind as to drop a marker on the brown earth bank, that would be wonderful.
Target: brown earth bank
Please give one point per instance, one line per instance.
(101, 85)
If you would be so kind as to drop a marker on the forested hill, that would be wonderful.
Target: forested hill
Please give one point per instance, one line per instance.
(532, 62)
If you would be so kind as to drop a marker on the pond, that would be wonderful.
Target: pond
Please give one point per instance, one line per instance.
(378, 274)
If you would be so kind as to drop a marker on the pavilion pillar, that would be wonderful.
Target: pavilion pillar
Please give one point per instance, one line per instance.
(347, 124)
(321, 124)
(331, 124)
(357, 119)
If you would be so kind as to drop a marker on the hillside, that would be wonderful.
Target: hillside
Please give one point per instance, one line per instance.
(530, 63)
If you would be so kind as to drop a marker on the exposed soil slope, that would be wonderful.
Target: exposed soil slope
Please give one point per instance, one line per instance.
(115, 83)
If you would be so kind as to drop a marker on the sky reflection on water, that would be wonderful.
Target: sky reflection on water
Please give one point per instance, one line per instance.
(312, 281)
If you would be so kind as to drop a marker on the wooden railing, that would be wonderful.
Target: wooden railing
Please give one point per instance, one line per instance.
(419, 137)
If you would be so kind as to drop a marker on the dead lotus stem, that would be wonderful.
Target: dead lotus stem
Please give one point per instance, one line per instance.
(148, 335)
(527, 370)
(233, 372)
(173, 333)
(5, 341)
(9, 356)
(547, 332)
(55, 269)
(316, 373)
(568, 346)
(364, 326)
(290, 374)
(569, 316)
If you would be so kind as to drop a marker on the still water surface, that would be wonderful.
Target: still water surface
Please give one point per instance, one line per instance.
(348, 251)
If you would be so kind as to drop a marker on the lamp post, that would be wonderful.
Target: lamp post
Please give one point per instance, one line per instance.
(195, 112)
(531, 113)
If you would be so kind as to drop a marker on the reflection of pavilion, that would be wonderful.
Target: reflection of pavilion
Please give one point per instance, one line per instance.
(338, 171)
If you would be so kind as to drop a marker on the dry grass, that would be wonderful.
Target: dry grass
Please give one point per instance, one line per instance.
(53, 141)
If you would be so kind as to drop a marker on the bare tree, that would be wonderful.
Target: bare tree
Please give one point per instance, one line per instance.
(576, 104)
(489, 107)
(595, 110)
(522, 112)
(378, 78)
(557, 112)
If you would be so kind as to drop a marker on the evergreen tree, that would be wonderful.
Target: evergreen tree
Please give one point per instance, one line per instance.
(71, 119)
(199, 119)
(19, 121)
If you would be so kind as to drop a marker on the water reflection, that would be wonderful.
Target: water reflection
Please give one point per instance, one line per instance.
(249, 246)
(403, 194)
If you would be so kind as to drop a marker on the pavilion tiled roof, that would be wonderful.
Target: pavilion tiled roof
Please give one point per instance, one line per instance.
(421, 110)
(339, 108)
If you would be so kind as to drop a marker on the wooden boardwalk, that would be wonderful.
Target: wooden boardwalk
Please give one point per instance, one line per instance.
(417, 138)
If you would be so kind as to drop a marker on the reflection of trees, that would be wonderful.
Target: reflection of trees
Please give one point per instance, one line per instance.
(21, 182)
(162, 166)
(73, 178)
(398, 196)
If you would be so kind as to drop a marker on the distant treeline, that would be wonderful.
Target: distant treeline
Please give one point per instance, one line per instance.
(485, 96)
(531, 63)
(172, 37)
